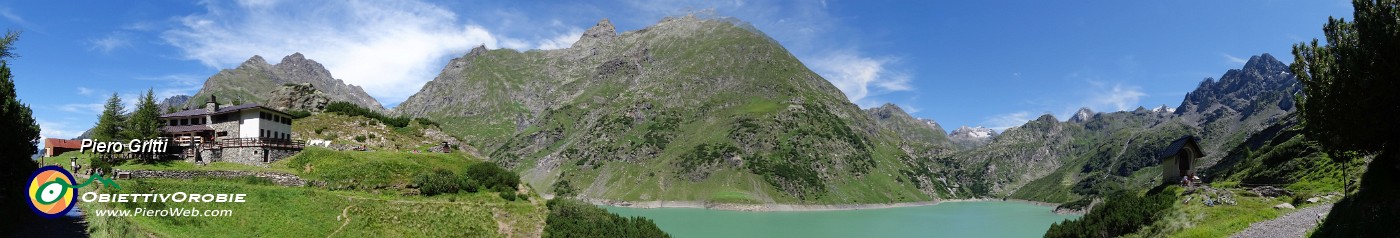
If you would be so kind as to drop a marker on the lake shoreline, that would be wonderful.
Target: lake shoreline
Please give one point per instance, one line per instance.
(776, 207)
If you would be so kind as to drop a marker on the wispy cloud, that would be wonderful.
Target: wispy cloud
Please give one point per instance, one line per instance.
(9, 14)
(1234, 60)
(859, 76)
(175, 84)
(61, 130)
(1116, 97)
(85, 108)
(1004, 121)
(85, 91)
(110, 42)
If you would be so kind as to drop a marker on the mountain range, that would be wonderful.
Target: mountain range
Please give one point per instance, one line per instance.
(713, 110)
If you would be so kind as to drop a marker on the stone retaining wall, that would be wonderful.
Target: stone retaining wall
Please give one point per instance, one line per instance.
(283, 179)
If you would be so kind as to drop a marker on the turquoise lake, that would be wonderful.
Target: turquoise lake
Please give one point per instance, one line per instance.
(952, 219)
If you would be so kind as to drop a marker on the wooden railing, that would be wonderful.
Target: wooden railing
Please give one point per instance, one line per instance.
(258, 142)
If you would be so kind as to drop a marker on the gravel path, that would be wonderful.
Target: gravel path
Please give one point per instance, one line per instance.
(1293, 224)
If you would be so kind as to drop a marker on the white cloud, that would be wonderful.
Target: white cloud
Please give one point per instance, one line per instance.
(1005, 121)
(1234, 60)
(87, 108)
(857, 75)
(10, 15)
(1116, 97)
(560, 41)
(175, 84)
(85, 91)
(391, 48)
(110, 42)
(61, 130)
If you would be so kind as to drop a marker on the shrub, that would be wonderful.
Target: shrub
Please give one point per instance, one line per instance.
(572, 218)
(563, 189)
(360, 138)
(1121, 213)
(350, 109)
(493, 177)
(442, 181)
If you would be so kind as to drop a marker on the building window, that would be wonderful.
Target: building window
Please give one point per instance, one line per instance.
(223, 133)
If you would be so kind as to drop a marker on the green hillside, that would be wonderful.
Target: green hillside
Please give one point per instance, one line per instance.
(688, 109)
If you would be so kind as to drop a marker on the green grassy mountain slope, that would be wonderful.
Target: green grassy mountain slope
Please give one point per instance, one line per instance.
(688, 109)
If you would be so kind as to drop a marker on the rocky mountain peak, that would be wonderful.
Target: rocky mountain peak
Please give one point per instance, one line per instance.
(256, 61)
(1164, 109)
(1084, 114)
(1265, 63)
(294, 57)
(973, 132)
(476, 51)
(601, 32)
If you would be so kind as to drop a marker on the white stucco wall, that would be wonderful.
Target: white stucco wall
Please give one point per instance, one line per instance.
(253, 124)
(249, 124)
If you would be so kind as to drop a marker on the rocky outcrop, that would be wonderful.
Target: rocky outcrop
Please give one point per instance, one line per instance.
(177, 102)
(298, 97)
(971, 137)
(1081, 116)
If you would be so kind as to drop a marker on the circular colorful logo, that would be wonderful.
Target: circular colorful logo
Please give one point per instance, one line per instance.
(51, 191)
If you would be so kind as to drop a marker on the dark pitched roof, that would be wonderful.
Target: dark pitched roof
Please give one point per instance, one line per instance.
(222, 110)
(185, 128)
(1176, 146)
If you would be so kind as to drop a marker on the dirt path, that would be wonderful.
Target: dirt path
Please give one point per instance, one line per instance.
(1293, 224)
(345, 218)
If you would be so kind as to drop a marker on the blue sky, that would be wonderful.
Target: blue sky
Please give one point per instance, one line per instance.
(995, 64)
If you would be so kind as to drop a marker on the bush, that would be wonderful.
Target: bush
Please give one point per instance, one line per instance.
(1121, 213)
(572, 218)
(508, 196)
(442, 181)
(438, 181)
(360, 138)
(563, 189)
(493, 177)
(350, 109)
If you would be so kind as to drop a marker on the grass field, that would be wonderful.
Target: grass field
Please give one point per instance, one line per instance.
(275, 211)
(367, 194)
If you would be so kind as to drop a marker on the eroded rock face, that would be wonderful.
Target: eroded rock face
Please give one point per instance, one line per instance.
(298, 97)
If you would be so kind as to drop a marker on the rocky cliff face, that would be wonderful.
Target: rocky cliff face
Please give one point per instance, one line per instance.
(298, 97)
(177, 102)
(666, 112)
(255, 80)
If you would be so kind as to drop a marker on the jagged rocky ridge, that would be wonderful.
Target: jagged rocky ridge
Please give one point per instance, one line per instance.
(1047, 160)
(255, 80)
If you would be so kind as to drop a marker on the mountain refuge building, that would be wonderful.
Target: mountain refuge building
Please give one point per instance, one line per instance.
(249, 134)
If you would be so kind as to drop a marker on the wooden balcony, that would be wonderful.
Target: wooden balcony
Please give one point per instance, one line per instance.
(256, 142)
